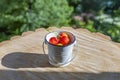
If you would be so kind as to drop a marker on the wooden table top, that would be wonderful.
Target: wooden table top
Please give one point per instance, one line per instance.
(22, 58)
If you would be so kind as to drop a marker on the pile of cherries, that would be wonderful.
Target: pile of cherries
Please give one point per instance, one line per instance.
(61, 39)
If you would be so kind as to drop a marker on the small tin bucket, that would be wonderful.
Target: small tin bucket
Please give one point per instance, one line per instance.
(60, 55)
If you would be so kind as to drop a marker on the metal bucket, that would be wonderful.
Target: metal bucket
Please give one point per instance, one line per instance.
(60, 55)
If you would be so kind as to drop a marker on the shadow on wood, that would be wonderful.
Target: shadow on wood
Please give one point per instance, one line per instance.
(32, 75)
(25, 60)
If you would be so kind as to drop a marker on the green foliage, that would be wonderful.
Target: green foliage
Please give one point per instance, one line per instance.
(105, 16)
(83, 21)
(108, 20)
(108, 25)
(56, 12)
(17, 16)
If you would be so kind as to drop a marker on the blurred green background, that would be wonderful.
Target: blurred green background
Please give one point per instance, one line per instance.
(17, 16)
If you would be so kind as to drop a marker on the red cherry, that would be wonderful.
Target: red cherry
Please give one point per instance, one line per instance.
(64, 40)
(60, 44)
(63, 34)
(54, 40)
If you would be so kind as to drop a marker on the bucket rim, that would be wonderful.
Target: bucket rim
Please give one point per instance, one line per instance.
(57, 32)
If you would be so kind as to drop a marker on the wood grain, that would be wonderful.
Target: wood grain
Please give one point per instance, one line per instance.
(22, 58)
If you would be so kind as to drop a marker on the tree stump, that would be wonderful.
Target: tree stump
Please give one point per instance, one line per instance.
(22, 57)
